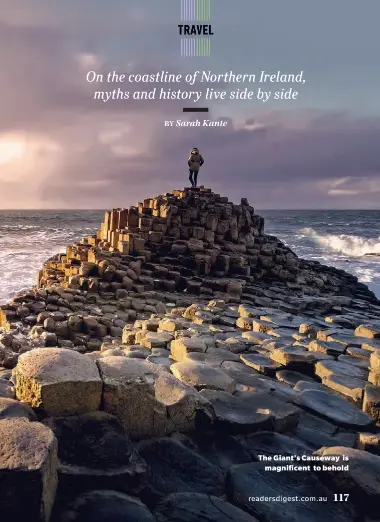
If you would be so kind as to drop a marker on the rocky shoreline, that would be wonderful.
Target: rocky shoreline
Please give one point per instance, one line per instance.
(182, 365)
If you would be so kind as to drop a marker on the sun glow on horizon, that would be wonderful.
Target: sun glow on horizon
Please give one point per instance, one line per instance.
(12, 148)
(26, 161)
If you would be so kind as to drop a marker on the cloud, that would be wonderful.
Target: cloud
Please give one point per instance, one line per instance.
(356, 187)
(278, 164)
(70, 151)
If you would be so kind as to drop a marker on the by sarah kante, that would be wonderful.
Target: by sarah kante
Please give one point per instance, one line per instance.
(196, 123)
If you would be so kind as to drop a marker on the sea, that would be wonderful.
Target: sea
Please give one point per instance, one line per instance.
(334, 237)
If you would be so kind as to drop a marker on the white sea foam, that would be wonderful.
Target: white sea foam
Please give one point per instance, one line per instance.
(352, 246)
(27, 240)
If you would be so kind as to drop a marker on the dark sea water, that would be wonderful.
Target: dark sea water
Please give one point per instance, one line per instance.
(338, 238)
(28, 238)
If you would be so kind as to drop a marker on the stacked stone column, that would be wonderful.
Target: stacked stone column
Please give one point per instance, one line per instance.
(371, 402)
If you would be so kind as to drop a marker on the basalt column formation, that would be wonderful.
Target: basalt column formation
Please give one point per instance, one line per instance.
(193, 241)
(165, 368)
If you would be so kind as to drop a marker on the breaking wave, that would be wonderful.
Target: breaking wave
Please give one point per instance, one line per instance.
(352, 246)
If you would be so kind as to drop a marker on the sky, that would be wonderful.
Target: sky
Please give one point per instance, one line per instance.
(60, 148)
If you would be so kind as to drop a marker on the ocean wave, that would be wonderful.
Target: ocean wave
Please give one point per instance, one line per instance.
(5, 228)
(352, 246)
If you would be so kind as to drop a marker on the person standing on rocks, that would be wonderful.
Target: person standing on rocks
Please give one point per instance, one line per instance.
(195, 162)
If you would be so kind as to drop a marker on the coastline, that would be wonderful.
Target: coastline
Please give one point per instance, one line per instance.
(181, 317)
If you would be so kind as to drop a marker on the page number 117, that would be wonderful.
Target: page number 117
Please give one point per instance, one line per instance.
(341, 497)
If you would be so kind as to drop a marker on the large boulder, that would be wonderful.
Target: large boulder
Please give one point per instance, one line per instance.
(149, 401)
(58, 381)
(94, 452)
(28, 470)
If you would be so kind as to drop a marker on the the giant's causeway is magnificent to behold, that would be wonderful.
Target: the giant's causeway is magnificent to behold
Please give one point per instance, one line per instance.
(182, 366)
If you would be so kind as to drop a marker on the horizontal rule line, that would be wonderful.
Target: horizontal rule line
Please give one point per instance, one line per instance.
(195, 109)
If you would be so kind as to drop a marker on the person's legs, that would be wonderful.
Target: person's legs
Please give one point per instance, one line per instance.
(191, 178)
(195, 178)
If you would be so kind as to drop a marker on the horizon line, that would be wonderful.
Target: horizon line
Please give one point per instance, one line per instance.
(256, 208)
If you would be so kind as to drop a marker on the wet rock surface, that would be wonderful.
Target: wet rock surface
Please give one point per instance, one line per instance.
(159, 359)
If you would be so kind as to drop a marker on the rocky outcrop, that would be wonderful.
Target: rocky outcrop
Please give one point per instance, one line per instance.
(94, 452)
(147, 399)
(160, 366)
(59, 381)
(190, 241)
(28, 470)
